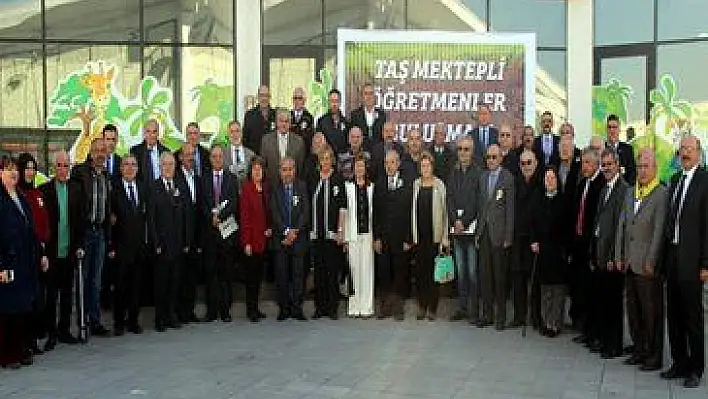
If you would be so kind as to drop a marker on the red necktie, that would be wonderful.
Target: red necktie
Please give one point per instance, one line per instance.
(581, 215)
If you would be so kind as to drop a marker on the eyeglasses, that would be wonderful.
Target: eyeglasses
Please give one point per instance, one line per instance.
(505, 134)
(298, 97)
(63, 165)
(463, 148)
(607, 164)
(527, 163)
(491, 157)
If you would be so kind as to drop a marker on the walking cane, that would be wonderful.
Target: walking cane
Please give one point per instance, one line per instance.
(529, 296)
(83, 329)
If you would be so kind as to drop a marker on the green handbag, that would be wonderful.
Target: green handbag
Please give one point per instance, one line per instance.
(444, 269)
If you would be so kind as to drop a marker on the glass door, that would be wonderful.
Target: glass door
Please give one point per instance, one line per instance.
(288, 67)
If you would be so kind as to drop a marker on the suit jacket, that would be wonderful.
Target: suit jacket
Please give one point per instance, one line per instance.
(130, 228)
(693, 228)
(114, 170)
(239, 170)
(443, 161)
(591, 199)
(392, 213)
(193, 219)
(479, 148)
(496, 212)
(640, 234)
(554, 157)
(271, 154)
(76, 216)
(166, 220)
(606, 220)
(372, 134)
(204, 161)
(337, 134)
(144, 163)
(82, 175)
(378, 158)
(299, 216)
(511, 162)
(625, 154)
(255, 127)
(229, 193)
(463, 199)
(303, 127)
(548, 230)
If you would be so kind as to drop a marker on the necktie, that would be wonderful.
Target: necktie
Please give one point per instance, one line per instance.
(217, 188)
(288, 204)
(197, 163)
(491, 183)
(238, 156)
(109, 164)
(391, 183)
(131, 196)
(581, 215)
(170, 189)
(675, 207)
(484, 136)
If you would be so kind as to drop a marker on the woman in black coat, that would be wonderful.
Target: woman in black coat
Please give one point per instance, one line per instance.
(18, 271)
(547, 239)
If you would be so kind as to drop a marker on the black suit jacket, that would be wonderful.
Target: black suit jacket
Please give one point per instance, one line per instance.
(554, 157)
(392, 214)
(443, 161)
(299, 218)
(205, 162)
(337, 134)
(144, 164)
(166, 220)
(192, 210)
(130, 228)
(114, 171)
(229, 194)
(378, 158)
(255, 127)
(511, 162)
(625, 154)
(590, 211)
(303, 127)
(82, 175)
(607, 218)
(372, 134)
(76, 216)
(692, 247)
(479, 148)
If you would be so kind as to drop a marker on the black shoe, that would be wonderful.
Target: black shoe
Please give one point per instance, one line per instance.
(517, 324)
(399, 317)
(208, 319)
(611, 354)
(135, 329)
(458, 316)
(282, 316)
(499, 326)
(628, 350)
(51, 343)
(100, 331)
(380, 316)
(36, 350)
(226, 318)
(261, 315)
(633, 360)
(254, 318)
(595, 347)
(67, 338)
(318, 314)
(334, 316)
(692, 381)
(483, 323)
(580, 339)
(299, 316)
(160, 327)
(119, 331)
(672, 373)
(650, 367)
(12, 366)
(552, 333)
(28, 361)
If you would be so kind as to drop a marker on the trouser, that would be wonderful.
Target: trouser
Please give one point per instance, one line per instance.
(95, 254)
(493, 275)
(254, 275)
(361, 264)
(166, 284)
(425, 268)
(684, 300)
(187, 293)
(645, 313)
(288, 277)
(611, 317)
(126, 297)
(392, 272)
(467, 277)
(15, 337)
(60, 282)
(578, 282)
(327, 256)
(552, 305)
(520, 280)
(218, 272)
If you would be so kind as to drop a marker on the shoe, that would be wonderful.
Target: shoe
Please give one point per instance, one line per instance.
(380, 316)
(650, 367)
(226, 318)
(483, 323)
(253, 319)
(282, 316)
(458, 316)
(261, 315)
(399, 317)
(135, 329)
(318, 314)
(12, 366)
(595, 347)
(36, 350)
(633, 360)
(334, 316)
(118, 331)
(209, 319)
(100, 331)
(553, 333)
(692, 381)
(67, 338)
(580, 339)
(174, 324)
(672, 373)
(474, 320)
(27, 361)
(611, 354)
(431, 316)
(517, 324)
(628, 350)
(159, 327)
(51, 343)
(499, 326)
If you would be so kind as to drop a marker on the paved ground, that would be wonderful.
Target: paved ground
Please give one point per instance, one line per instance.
(328, 359)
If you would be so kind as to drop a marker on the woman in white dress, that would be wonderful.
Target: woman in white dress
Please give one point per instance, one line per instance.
(358, 236)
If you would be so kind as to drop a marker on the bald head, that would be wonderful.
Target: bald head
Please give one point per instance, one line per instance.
(299, 99)
(264, 96)
(62, 165)
(389, 132)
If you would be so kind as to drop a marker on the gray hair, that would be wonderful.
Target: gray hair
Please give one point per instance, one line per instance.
(610, 152)
(166, 156)
(393, 154)
(592, 153)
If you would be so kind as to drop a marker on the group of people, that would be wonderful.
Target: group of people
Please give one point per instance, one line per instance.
(531, 218)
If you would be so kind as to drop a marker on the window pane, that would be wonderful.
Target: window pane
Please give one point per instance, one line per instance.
(551, 84)
(94, 20)
(21, 80)
(545, 18)
(20, 19)
(686, 63)
(682, 19)
(375, 14)
(189, 21)
(626, 21)
(292, 23)
(469, 15)
(89, 86)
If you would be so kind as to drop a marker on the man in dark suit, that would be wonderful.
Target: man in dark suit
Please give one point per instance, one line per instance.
(346, 160)
(625, 153)
(188, 183)
(128, 246)
(166, 228)
(65, 213)
(369, 118)
(290, 208)
(607, 284)
(484, 134)
(510, 157)
(219, 207)
(546, 145)
(379, 150)
(281, 144)
(110, 135)
(584, 209)
(443, 154)
(392, 199)
(686, 265)
(302, 123)
(638, 246)
(333, 124)
(201, 154)
(494, 235)
(258, 121)
(148, 153)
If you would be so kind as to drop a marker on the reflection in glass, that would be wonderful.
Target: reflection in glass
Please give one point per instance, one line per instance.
(189, 21)
(285, 75)
(21, 85)
(375, 14)
(623, 22)
(545, 18)
(687, 64)
(94, 20)
(551, 92)
(292, 23)
(682, 19)
(450, 16)
(20, 19)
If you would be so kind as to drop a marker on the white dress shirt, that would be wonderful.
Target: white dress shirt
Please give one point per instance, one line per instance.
(689, 176)
(189, 177)
(283, 144)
